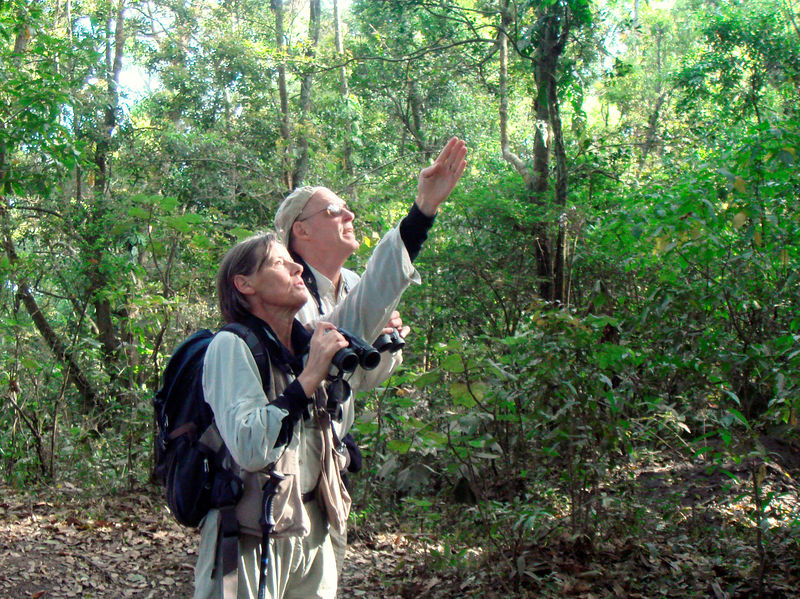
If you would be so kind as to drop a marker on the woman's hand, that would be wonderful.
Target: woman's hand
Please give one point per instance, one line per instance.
(325, 342)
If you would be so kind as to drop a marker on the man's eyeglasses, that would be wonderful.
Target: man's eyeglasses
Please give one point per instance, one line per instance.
(333, 210)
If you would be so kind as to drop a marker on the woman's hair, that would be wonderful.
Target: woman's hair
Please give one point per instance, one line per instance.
(242, 259)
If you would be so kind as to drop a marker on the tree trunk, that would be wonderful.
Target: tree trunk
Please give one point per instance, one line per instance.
(560, 270)
(114, 66)
(301, 165)
(99, 280)
(505, 147)
(413, 121)
(62, 353)
(344, 95)
(655, 114)
(536, 181)
(553, 25)
(285, 126)
(652, 130)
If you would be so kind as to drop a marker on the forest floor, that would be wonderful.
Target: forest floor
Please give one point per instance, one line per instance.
(65, 542)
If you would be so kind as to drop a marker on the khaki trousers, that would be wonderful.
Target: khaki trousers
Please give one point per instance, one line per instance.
(299, 568)
(339, 542)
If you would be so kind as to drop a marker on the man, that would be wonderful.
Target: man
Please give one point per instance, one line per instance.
(317, 227)
(322, 238)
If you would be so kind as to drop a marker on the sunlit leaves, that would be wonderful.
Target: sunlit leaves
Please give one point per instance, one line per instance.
(138, 212)
(744, 66)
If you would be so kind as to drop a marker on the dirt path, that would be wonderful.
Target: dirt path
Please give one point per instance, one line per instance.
(55, 544)
(64, 542)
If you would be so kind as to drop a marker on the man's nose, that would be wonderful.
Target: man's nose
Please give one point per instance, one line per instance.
(348, 214)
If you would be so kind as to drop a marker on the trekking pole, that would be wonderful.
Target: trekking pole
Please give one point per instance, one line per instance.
(267, 521)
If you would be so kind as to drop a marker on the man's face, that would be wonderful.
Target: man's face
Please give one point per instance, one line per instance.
(328, 231)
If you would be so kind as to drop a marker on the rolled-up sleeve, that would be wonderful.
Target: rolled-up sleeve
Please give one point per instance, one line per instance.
(247, 422)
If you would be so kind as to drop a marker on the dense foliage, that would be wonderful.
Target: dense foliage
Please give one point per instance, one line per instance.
(616, 275)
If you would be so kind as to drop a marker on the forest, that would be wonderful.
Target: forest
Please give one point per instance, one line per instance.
(599, 395)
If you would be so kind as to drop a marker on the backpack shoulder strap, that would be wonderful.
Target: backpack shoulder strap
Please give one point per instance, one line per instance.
(228, 534)
(257, 348)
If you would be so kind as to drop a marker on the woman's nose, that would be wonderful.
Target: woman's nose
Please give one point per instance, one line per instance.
(296, 268)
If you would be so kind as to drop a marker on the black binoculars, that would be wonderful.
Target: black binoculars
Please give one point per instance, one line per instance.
(392, 342)
(358, 352)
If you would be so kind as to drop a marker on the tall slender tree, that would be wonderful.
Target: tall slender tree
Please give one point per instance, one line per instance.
(540, 33)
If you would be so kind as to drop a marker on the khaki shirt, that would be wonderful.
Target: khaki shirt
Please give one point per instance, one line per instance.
(363, 307)
(249, 425)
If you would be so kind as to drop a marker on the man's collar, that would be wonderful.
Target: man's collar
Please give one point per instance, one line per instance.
(324, 284)
(318, 284)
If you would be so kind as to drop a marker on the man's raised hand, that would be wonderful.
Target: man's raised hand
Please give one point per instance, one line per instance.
(438, 180)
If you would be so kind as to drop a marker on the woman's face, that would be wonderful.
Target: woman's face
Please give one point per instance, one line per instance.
(276, 283)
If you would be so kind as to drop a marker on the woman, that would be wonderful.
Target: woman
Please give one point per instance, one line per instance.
(286, 430)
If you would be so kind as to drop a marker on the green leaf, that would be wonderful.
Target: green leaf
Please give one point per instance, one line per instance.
(507, 417)
(402, 401)
(193, 218)
(733, 396)
(367, 428)
(479, 390)
(168, 203)
(29, 363)
(180, 223)
(739, 416)
(399, 446)
(427, 378)
(202, 241)
(241, 233)
(138, 212)
(701, 450)
(610, 355)
(453, 363)
(461, 395)
(434, 438)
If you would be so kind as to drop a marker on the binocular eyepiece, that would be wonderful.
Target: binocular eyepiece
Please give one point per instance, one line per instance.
(357, 353)
(391, 343)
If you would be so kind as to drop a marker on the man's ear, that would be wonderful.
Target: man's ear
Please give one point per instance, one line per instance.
(242, 284)
(300, 230)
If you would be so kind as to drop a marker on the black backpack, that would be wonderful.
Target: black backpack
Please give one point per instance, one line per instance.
(192, 462)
